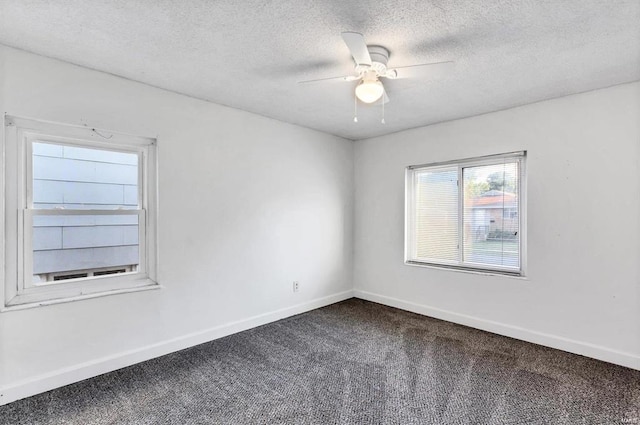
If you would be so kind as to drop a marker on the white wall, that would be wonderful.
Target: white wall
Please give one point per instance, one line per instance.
(266, 203)
(582, 291)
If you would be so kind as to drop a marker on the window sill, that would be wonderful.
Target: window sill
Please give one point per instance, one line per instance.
(512, 275)
(14, 304)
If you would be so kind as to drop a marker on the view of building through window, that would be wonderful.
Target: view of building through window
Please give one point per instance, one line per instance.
(491, 222)
(79, 245)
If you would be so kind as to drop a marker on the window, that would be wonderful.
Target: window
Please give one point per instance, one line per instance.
(467, 214)
(80, 209)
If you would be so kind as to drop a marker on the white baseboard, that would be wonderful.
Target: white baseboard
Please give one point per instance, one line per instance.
(572, 346)
(97, 367)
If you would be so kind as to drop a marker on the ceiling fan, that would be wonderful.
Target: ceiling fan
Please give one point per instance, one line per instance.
(371, 65)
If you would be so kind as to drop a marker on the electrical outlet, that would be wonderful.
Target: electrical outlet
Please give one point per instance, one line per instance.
(296, 286)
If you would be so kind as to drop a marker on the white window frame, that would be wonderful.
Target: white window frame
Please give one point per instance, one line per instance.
(410, 256)
(18, 212)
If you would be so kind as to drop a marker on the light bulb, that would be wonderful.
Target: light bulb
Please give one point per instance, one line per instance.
(369, 91)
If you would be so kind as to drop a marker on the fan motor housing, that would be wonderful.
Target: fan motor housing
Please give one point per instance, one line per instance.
(379, 58)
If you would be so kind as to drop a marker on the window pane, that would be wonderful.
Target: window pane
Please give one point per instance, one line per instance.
(72, 177)
(75, 246)
(436, 214)
(491, 209)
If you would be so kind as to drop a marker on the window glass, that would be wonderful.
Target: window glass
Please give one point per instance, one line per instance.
(74, 245)
(71, 177)
(491, 224)
(436, 214)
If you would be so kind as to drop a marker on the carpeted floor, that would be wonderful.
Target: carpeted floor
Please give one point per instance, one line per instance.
(354, 362)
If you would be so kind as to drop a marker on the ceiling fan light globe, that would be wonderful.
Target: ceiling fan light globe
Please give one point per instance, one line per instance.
(369, 91)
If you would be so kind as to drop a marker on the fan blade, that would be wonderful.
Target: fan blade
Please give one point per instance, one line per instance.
(357, 46)
(444, 63)
(434, 66)
(344, 78)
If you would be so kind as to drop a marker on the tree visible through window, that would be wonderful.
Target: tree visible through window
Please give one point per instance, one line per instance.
(466, 214)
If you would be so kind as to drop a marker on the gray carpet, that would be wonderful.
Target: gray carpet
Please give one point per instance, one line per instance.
(353, 362)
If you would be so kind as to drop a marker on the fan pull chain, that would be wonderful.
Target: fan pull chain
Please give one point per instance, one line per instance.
(382, 100)
(355, 109)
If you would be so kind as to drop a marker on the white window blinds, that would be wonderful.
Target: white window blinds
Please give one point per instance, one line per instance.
(436, 214)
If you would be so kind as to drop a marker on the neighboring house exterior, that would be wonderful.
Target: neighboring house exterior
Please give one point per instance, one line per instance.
(66, 247)
(494, 215)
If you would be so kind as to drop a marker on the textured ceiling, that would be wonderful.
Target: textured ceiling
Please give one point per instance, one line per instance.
(251, 54)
